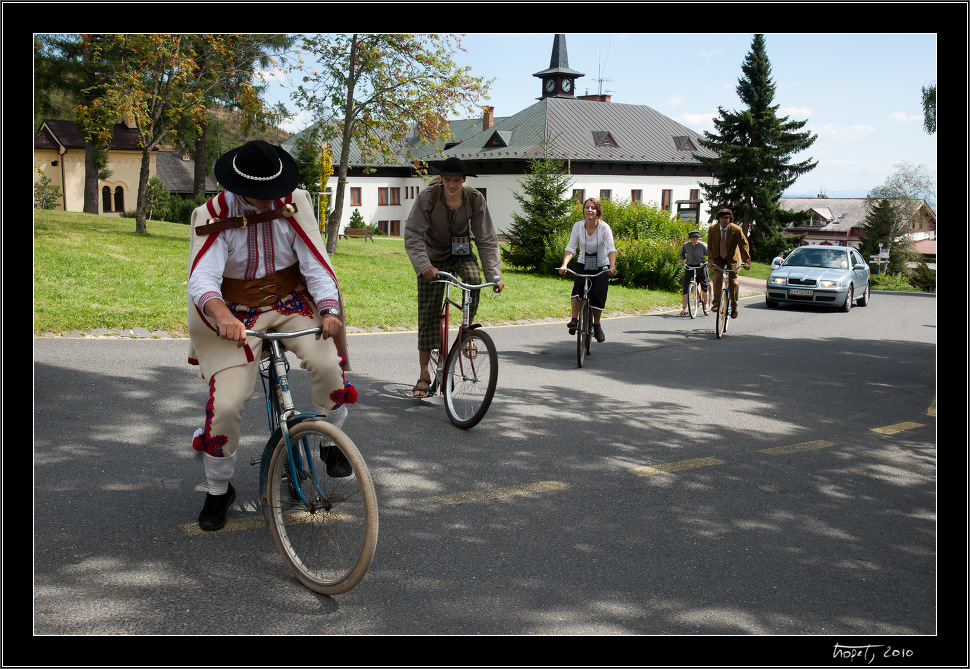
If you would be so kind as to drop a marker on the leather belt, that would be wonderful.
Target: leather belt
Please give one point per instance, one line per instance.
(261, 292)
(214, 225)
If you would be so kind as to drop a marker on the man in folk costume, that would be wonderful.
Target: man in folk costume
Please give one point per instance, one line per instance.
(257, 262)
(727, 247)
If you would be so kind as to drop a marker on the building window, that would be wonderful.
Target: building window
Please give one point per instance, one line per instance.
(119, 199)
(355, 196)
(605, 195)
(395, 196)
(482, 191)
(390, 228)
(666, 198)
(579, 195)
(105, 199)
(636, 196)
(695, 194)
(382, 197)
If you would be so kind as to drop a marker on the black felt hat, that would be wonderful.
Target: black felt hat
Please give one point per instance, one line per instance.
(259, 170)
(451, 167)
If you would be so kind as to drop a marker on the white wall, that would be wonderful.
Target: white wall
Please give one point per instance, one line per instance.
(500, 192)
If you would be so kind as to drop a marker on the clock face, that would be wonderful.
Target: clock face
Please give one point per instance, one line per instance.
(566, 85)
(550, 84)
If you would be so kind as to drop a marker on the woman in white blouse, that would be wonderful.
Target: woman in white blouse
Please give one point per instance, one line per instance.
(595, 238)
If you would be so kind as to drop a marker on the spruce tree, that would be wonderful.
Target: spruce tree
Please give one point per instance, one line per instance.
(544, 206)
(753, 166)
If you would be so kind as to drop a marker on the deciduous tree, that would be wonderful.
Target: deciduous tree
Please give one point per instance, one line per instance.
(378, 92)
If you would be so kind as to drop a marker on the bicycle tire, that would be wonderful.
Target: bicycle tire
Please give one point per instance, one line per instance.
(582, 325)
(470, 381)
(330, 548)
(720, 323)
(692, 299)
(588, 337)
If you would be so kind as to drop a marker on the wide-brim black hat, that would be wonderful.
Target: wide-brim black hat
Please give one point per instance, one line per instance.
(451, 167)
(259, 170)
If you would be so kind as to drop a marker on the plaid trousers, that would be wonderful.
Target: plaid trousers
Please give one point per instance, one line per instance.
(431, 295)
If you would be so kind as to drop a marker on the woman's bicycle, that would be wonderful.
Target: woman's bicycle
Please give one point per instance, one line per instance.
(584, 319)
(693, 288)
(323, 516)
(724, 306)
(467, 372)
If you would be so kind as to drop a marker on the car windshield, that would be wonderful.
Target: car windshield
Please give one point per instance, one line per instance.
(832, 259)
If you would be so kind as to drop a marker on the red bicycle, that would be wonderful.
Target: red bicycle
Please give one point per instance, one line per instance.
(467, 372)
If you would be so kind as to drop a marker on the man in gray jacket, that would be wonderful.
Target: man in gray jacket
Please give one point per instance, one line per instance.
(437, 236)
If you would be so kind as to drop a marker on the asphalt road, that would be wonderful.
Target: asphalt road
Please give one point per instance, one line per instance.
(779, 481)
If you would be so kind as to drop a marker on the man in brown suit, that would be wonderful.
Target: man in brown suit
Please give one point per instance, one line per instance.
(727, 247)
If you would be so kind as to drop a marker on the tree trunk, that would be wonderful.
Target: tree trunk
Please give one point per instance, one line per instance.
(201, 155)
(90, 180)
(142, 201)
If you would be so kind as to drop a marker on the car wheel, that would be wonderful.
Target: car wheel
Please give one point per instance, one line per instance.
(770, 303)
(864, 300)
(849, 298)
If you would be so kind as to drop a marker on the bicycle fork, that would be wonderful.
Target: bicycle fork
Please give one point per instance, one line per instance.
(299, 458)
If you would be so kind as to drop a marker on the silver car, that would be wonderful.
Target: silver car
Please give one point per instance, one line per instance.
(833, 276)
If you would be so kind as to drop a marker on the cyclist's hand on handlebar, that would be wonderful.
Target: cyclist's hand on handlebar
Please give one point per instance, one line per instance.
(747, 265)
(499, 287)
(330, 326)
(612, 271)
(561, 270)
(230, 328)
(430, 272)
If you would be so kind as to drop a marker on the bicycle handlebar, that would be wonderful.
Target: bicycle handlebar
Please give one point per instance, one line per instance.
(283, 335)
(585, 276)
(448, 278)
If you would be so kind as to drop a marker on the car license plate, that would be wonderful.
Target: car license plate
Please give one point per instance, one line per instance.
(799, 291)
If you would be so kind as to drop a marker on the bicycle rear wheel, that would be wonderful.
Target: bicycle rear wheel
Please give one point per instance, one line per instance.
(329, 542)
(582, 326)
(692, 299)
(471, 374)
(720, 324)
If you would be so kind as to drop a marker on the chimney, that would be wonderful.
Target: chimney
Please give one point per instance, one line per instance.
(488, 119)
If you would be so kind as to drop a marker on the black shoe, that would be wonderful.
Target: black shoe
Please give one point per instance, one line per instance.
(572, 325)
(213, 516)
(598, 333)
(337, 464)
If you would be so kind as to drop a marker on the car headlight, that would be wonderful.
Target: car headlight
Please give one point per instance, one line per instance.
(830, 284)
(778, 280)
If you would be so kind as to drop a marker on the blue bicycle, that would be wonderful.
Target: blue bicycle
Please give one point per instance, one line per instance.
(315, 490)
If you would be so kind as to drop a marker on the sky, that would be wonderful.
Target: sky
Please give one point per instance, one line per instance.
(860, 93)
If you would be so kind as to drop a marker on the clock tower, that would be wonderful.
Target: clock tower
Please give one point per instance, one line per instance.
(559, 80)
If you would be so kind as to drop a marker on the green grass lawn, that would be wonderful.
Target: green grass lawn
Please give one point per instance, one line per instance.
(95, 272)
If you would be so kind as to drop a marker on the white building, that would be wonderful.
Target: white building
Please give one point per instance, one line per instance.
(612, 150)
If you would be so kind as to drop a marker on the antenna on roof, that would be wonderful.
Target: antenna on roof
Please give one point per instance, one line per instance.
(599, 71)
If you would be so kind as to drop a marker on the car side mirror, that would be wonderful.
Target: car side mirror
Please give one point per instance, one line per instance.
(776, 263)
(859, 265)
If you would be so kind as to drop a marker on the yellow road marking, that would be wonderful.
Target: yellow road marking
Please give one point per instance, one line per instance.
(676, 466)
(898, 427)
(931, 411)
(795, 448)
(481, 495)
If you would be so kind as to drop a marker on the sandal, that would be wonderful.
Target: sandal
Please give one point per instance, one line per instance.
(683, 312)
(572, 325)
(471, 350)
(418, 388)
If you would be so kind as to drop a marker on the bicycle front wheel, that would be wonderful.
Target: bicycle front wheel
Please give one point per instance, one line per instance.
(582, 332)
(471, 374)
(328, 541)
(692, 299)
(720, 324)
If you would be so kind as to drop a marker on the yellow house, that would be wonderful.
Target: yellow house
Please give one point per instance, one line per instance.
(59, 153)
